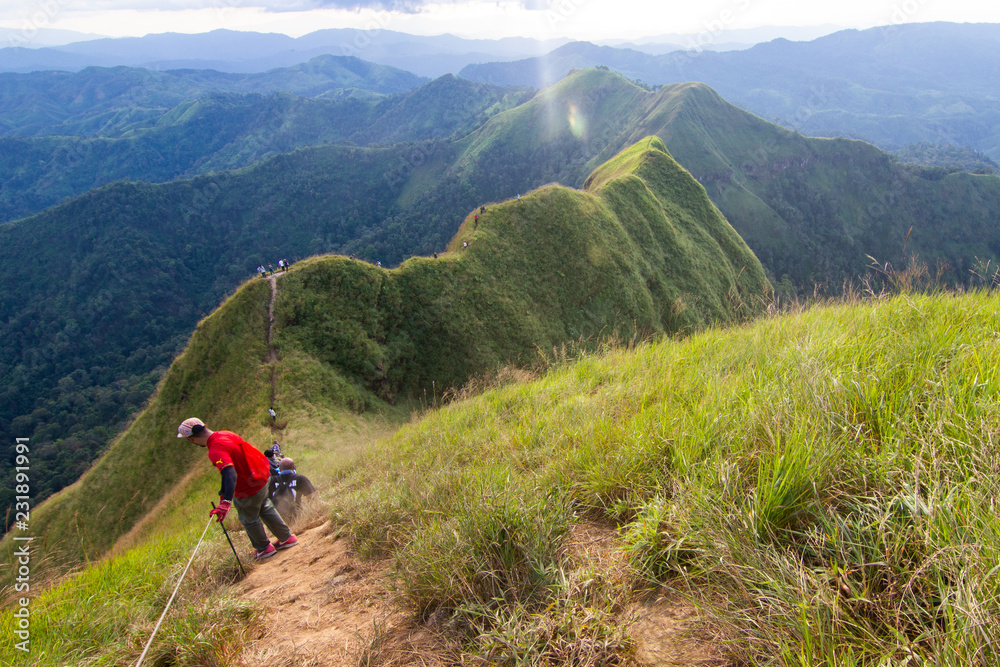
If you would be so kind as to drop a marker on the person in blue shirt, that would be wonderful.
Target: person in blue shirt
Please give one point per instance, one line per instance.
(288, 488)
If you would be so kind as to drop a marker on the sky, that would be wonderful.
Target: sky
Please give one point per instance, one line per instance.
(577, 19)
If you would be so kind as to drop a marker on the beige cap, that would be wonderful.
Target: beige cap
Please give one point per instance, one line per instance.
(184, 430)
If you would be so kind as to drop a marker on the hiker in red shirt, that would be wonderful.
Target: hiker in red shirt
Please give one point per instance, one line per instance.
(245, 473)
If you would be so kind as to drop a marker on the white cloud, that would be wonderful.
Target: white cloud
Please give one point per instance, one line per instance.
(582, 19)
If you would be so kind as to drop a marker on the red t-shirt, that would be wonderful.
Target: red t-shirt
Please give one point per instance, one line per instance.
(225, 449)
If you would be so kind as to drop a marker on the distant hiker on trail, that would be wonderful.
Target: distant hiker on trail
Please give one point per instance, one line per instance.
(435, 255)
(288, 489)
(270, 270)
(518, 197)
(378, 263)
(276, 448)
(281, 265)
(475, 219)
(482, 209)
(285, 265)
(245, 478)
(260, 270)
(273, 414)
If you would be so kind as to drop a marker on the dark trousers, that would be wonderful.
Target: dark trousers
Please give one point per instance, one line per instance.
(256, 512)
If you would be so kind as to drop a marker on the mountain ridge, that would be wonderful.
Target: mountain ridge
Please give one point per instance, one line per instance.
(891, 85)
(246, 52)
(226, 130)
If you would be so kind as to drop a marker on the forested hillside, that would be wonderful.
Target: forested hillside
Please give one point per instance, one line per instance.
(109, 101)
(101, 292)
(228, 130)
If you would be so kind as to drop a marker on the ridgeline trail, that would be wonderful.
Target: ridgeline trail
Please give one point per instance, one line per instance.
(272, 351)
(272, 354)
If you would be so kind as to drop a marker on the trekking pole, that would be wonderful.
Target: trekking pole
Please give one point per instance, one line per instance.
(226, 533)
(167, 608)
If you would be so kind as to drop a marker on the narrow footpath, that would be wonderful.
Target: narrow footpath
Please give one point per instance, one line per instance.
(328, 608)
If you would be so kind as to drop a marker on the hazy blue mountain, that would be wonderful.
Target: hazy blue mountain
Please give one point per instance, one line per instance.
(245, 52)
(31, 37)
(715, 36)
(895, 85)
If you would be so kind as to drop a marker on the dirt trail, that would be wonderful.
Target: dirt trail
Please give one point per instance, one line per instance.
(277, 427)
(272, 353)
(327, 608)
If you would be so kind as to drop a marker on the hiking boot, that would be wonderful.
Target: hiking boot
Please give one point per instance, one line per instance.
(266, 553)
(290, 542)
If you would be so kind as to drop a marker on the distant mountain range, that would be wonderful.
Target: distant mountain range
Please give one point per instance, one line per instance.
(160, 139)
(241, 51)
(107, 102)
(245, 52)
(893, 86)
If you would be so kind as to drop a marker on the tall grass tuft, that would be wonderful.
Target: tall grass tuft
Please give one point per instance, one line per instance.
(499, 544)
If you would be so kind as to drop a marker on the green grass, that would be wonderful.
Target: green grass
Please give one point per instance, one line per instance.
(822, 483)
(106, 614)
(640, 251)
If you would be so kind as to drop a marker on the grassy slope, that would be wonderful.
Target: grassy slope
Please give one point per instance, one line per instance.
(815, 208)
(893, 85)
(822, 482)
(555, 266)
(811, 209)
(221, 374)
